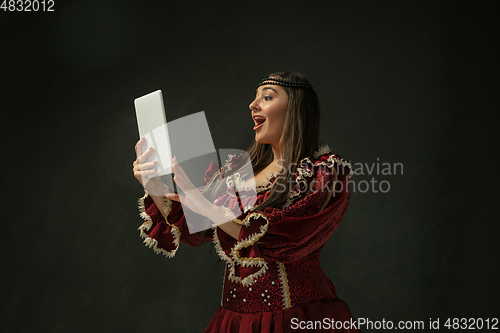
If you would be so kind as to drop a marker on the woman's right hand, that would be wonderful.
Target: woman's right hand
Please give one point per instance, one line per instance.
(143, 169)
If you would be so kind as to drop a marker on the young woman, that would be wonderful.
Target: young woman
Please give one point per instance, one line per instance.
(273, 280)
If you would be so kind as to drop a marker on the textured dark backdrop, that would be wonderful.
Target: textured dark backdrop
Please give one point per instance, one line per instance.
(399, 81)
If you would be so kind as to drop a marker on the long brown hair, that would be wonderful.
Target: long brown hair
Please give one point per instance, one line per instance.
(299, 138)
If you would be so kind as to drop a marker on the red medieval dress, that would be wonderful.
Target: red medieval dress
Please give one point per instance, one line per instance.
(273, 280)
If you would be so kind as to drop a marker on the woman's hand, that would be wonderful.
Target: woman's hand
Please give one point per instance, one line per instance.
(142, 170)
(193, 198)
(195, 201)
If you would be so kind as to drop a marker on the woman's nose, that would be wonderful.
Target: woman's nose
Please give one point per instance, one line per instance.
(253, 105)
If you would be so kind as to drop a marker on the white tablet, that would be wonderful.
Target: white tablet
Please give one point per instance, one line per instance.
(152, 124)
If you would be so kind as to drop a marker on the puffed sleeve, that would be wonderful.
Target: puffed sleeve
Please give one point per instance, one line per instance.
(164, 235)
(315, 209)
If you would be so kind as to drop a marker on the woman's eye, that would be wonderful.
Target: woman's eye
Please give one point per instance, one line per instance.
(267, 98)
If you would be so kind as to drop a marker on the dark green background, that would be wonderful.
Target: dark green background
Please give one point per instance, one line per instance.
(407, 82)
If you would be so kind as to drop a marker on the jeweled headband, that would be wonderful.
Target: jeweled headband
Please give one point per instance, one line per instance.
(285, 83)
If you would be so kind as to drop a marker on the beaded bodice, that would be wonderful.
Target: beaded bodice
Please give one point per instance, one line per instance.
(283, 286)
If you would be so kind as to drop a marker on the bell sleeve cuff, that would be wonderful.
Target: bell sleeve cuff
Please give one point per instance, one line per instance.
(164, 235)
(158, 233)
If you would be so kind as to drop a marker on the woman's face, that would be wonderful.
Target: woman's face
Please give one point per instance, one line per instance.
(268, 113)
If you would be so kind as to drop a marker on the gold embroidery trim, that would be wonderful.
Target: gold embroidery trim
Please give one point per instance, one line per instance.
(223, 283)
(329, 195)
(237, 259)
(331, 162)
(231, 217)
(287, 303)
(148, 223)
(205, 188)
(252, 239)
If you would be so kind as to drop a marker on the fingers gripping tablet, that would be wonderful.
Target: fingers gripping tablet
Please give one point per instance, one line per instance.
(151, 121)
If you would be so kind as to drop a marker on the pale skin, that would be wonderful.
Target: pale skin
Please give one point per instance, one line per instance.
(270, 105)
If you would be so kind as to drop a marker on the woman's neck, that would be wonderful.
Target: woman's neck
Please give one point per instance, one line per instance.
(277, 161)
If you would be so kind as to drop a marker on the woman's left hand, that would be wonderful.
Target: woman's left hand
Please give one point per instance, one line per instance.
(193, 198)
(195, 201)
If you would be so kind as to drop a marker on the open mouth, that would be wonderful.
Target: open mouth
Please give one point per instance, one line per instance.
(259, 121)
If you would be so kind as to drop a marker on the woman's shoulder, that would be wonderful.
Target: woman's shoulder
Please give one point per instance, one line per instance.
(317, 172)
(234, 160)
(216, 170)
(324, 158)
